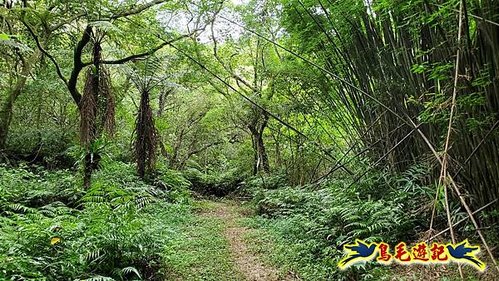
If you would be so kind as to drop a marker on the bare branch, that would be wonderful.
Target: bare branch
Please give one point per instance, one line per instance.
(462, 220)
(222, 63)
(470, 14)
(444, 170)
(203, 148)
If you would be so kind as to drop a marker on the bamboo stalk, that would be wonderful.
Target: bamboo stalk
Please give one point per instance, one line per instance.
(463, 220)
(443, 171)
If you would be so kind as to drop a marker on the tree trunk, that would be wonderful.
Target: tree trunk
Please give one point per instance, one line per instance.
(92, 158)
(263, 160)
(6, 116)
(261, 163)
(146, 137)
(7, 108)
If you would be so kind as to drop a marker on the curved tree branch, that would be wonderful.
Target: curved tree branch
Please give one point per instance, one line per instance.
(45, 52)
(147, 53)
(78, 65)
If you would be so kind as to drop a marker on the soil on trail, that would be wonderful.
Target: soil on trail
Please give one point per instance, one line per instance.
(250, 266)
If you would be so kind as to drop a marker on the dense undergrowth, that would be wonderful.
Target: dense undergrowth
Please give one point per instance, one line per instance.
(52, 229)
(312, 223)
(124, 228)
(303, 229)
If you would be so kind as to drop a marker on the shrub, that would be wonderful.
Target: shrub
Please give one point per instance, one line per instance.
(175, 183)
(34, 186)
(214, 184)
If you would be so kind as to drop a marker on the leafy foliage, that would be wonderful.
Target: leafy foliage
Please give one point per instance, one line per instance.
(310, 224)
(116, 230)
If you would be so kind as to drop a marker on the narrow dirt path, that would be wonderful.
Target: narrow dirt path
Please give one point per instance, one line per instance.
(246, 262)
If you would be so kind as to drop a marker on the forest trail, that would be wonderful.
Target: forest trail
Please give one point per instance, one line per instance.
(246, 262)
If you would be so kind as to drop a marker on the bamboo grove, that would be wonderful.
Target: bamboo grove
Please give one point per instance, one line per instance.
(409, 66)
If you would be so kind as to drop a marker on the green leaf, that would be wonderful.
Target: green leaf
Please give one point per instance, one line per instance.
(131, 269)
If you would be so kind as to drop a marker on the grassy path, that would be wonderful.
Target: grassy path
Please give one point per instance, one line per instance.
(213, 247)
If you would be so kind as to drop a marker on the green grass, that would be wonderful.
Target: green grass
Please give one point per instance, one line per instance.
(201, 252)
(272, 240)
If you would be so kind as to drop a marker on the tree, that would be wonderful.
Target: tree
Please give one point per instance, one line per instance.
(247, 68)
(96, 104)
